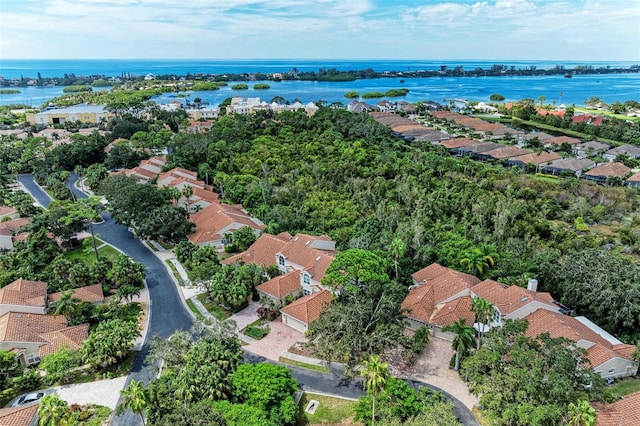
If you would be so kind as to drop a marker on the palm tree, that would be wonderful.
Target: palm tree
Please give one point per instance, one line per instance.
(66, 305)
(463, 341)
(397, 249)
(135, 399)
(479, 259)
(375, 375)
(581, 414)
(484, 313)
(52, 411)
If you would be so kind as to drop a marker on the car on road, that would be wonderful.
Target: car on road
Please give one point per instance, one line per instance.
(28, 398)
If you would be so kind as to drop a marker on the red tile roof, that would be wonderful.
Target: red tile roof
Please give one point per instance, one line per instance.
(90, 293)
(634, 178)
(69, 337)
(6, 210)
(509, 298)
(21, 327)
(506, 152)
(216, 219)
(24, 293)
(308, 308)
(262, 252)
(458, 143)
(282, 285)
(559, 140)
(437, 284)
(599, 349)
(609, 169)
(537, 158)
(450, 312)
(625, 412)
(18, 416)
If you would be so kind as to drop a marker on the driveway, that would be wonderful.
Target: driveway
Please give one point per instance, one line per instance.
(103, 392)
(280, 338)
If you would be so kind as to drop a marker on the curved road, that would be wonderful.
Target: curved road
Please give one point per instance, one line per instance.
(167, 313)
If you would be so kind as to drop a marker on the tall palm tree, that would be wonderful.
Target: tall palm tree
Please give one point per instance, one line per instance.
(581, 414)
(484, 313)
(463, 341)
(66, 305)
(135, 399)
(479, 259)
(52, 411)
(397, 249)
(375, 375)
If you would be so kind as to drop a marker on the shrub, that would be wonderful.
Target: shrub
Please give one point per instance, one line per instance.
(256, 332)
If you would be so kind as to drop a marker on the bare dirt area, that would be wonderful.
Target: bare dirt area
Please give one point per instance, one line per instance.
(432, 367)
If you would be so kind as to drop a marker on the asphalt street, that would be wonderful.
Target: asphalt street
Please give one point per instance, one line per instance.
(167, 314)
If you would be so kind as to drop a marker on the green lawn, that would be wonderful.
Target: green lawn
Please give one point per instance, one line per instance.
(193, 309)
(176, 275)
(313, 367)
(626, 386)
(605, 113)
(216, 310)
(257, 329)
(331, 411)
(85, 253)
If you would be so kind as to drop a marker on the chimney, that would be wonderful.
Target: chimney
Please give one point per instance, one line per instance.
(532, 285)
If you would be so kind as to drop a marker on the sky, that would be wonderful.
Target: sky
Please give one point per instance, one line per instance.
(594, 30)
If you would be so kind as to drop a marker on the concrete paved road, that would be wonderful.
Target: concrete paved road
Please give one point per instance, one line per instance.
(168, 314)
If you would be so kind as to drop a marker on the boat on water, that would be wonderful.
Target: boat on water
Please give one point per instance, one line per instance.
(568, 75)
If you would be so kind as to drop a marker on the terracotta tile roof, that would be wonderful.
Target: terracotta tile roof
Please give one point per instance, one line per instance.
(634, 178)
(481, 147)
(262, 252)
(21, 327)
(282, 285)
(18, 416)
(308, 308)
(300, 250)
(599, 349)
(537, 158)
(625, 412)
(91, 293)
(450, 312)
(6, 210)
(24, 293)
(70, 337)
(436, 284)
(200, 194)
(216, 219)
(609, 169)
(15, 225)
(407, 127)
(509, 298)
(559, 140)
(458, 143)
(436, 270)
(506, 152)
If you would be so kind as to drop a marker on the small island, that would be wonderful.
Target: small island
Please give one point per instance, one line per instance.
(9, 91)
(261, 86)
(240, 86)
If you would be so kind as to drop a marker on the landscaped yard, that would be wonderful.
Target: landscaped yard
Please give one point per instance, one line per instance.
(216, 310)
(257, 329)
(313, 367)
(626, 386)
(85, 253)
(331, 411)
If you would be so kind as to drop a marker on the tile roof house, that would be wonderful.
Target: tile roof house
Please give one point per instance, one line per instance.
(7, 212)
(216, 220)
(630, 151)
(604, 171)
(201, 196)
(634, 180)
(625, 412)
(609, 357)
(24, 296)
(91, 293)
(435, 286)
(504, 152)
(453, 145)
(278, 288)
(32, 336)
(299, 314)
(440, 296)
(534, 158)
(11, 230)
(513, 302)
(556, 142)
(575, 166)
(23, 415)
(476, 150)
(262, 252)
(147, 170)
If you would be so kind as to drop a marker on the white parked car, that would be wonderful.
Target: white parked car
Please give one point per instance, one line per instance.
(28, 399)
